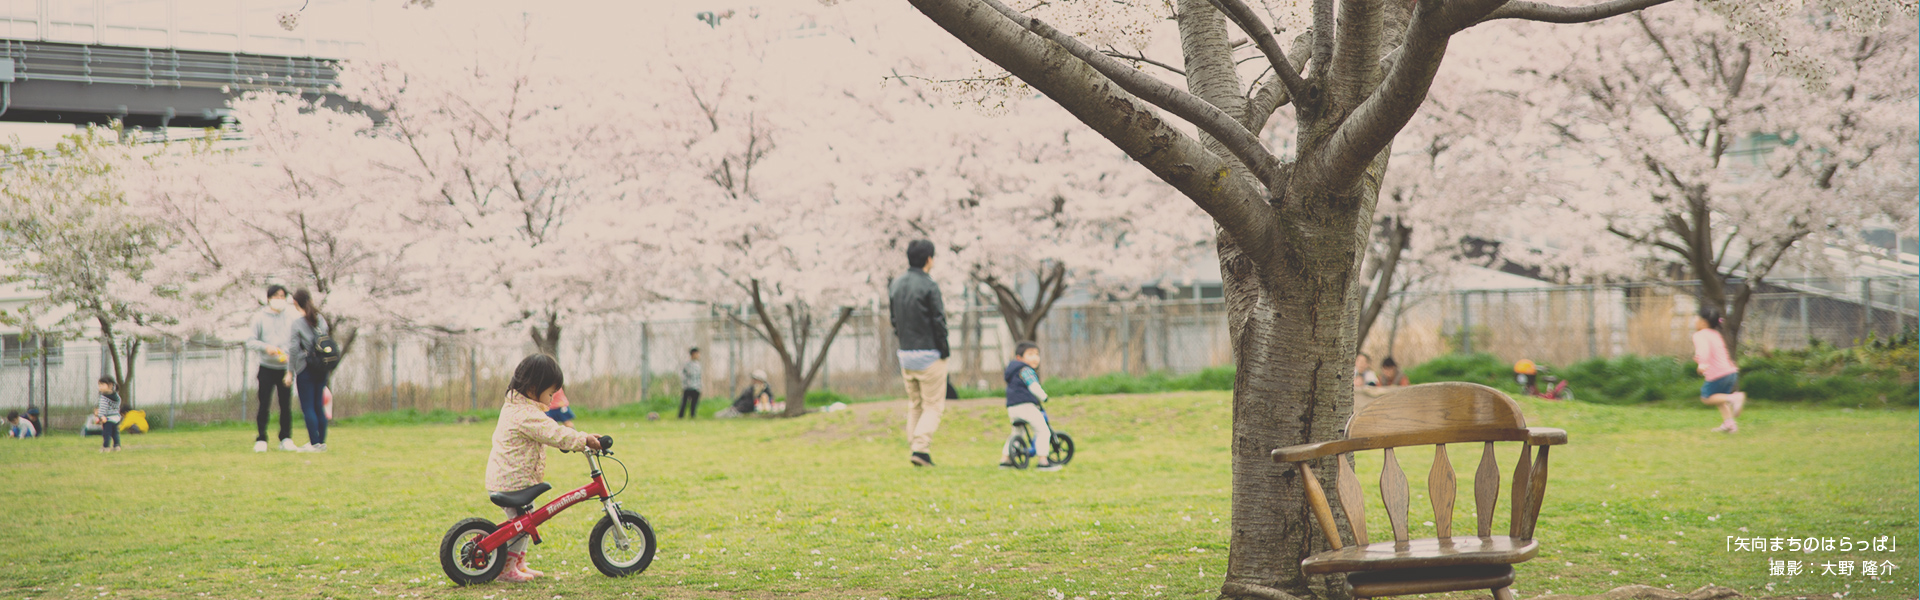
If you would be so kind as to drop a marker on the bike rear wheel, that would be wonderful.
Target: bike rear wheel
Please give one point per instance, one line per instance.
(1062, 451)
(462, 558)
(605, 550)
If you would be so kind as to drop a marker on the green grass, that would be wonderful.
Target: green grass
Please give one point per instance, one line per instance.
(827, 507)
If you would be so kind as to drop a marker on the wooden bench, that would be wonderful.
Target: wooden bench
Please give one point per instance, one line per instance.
(1437, 414)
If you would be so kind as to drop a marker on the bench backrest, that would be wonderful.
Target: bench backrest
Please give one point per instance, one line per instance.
(1437, 414)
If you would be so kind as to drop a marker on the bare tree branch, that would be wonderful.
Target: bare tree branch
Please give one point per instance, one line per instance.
(1110, 51)
(1535, 11)
(1648, 240)
(1322, 38)
(826, 343)
(1243, 15)
(1209, 118)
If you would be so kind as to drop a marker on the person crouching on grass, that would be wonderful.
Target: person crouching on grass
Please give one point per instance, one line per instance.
(519, 460)
(1023, 403)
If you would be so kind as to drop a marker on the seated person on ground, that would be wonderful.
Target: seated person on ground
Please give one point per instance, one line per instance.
(1390, 374)
(19, 427)
(757, 397)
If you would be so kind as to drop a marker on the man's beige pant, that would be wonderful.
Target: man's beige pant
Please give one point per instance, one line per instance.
(926, 399)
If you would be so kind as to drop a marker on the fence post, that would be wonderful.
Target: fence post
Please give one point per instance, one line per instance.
(1466, 323)
(644, 372)
(1866, 307)
(1593, 330)
(243, 383)
(1806, 329)
(173, 389)
(473, 378)
(393, 374)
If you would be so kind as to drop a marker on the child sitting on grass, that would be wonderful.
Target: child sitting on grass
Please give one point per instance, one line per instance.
(1023, 403)
(519, 458)
(107, 416)
(19, 427)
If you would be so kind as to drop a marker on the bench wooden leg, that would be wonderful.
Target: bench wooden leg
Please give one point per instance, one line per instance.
(1501, 593)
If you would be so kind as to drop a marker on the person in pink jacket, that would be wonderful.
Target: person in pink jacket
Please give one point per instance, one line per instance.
(520, 441)
(1716, 365)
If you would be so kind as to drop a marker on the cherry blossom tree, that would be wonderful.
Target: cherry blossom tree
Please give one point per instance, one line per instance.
(785, 184)
(301, 202)
(1292, 232)
(530, 170)
(1715, 161)
(70, 235)
(1047, 203)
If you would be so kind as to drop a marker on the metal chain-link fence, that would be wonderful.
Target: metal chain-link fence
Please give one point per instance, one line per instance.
(617, 363)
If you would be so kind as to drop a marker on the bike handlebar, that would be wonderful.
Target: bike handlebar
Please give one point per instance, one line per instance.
(606, 442)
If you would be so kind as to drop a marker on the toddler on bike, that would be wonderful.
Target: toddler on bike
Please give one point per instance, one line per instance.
(1023, 403)
(519, 458)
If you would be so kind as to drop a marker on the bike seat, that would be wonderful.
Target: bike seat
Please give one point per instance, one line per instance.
(518, 498)
(1019, 422)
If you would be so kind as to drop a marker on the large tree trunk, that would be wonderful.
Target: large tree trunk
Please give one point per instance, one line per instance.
(547, 340)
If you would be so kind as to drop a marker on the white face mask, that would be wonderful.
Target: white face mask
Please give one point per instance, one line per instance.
(277, 304)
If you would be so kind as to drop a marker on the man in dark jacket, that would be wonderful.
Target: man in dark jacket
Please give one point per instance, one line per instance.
(920, 324)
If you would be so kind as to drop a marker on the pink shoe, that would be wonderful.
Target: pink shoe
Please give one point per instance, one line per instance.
(512, 572)
(527, 570)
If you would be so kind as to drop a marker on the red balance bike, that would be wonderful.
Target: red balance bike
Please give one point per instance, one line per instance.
(475, 550)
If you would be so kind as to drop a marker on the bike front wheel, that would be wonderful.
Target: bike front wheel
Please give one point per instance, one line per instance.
(1062, 451)
(462, 558)
(607, 554)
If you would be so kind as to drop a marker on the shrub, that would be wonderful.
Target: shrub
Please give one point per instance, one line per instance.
(1631, 379)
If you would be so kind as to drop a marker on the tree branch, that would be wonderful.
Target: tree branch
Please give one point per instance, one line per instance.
(1125, 120)
(1110, 51)
(1243, 15)
(1535, 11)
(1209, 118)
(827, 342)
(1377, 119)
(1649, 241)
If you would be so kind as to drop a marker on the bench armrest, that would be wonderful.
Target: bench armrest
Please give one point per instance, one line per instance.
(1546, 436)
(1305, 452)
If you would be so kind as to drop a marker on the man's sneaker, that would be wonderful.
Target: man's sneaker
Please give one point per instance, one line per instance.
(1007, 464)
(921, 459)
(306, 448)
(260, 446)
(287, 445)
(320, 447)
(1048, 467)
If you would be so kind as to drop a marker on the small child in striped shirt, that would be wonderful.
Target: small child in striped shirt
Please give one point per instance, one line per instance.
(107, 416)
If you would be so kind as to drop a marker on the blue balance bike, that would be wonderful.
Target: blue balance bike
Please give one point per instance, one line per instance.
(1021, 449)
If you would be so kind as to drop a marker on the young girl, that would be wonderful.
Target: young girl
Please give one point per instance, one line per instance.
(1716, 365)
(107, 416)
(519, 458)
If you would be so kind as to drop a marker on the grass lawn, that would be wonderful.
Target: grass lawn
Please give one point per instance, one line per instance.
(828, 507)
